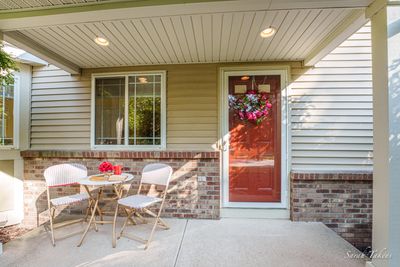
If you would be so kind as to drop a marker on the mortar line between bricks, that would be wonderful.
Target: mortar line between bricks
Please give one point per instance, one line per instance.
(180, 245)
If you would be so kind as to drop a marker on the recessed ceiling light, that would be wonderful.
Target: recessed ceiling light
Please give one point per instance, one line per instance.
(268, 32)
(245, 78)
(101, 41)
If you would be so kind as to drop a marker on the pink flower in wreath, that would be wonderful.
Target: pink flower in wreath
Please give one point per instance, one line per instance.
(250, 116)
(252, 106)
(258, 114)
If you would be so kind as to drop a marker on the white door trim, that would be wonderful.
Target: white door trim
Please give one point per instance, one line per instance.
(284, 72)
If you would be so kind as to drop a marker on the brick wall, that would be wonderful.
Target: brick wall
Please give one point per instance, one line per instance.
(342, 201)
(188, 198)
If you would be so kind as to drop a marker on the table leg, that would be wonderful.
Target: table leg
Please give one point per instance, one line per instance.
(91, 201)
(91, 218)
(98, 207)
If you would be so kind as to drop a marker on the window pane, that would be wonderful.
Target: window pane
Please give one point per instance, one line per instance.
(143, 79)
(145, 141)
(144, 110)
(7, 115)
(109, 107)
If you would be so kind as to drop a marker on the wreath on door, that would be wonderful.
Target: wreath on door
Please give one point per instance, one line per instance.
(252, 106)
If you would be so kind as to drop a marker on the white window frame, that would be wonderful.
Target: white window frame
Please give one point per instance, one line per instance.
(162, 146)
(15, 144)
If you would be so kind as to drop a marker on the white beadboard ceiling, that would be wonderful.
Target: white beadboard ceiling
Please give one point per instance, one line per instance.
(198, 38)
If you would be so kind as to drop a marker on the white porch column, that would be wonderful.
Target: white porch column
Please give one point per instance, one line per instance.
(386, 98)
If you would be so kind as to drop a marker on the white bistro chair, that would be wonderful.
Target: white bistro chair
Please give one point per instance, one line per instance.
(63, 175)
(155, 174)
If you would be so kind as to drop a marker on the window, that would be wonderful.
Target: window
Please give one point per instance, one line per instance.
(7, 115)
(129, 111)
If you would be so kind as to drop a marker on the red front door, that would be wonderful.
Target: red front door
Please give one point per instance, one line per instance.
(255, 150)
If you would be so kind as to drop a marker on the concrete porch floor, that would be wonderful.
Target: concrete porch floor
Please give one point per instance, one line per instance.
(203, 243)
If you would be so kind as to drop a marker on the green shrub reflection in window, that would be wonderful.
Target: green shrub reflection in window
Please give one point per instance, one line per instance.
(144, 110)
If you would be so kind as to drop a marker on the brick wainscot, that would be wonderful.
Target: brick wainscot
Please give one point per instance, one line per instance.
(188, 198)
(342, 201)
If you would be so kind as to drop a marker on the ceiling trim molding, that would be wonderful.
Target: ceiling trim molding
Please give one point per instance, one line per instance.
(343, 31)
(36, 49)
(375, 7)
(87, 7)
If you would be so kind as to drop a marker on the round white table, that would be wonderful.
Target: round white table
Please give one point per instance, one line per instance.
(118, 189)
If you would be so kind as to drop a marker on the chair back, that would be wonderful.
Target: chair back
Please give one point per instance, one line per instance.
(64, 174)
(157, 174)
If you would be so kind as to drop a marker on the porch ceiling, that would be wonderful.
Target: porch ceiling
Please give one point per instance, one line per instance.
(220, 37)
(177, 34)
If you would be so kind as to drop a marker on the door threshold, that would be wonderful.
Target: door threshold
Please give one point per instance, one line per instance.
(255, 213)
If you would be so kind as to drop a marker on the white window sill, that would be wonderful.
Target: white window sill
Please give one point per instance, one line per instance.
(129, 148)
(8, 148)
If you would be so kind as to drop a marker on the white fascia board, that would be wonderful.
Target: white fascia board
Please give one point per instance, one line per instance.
(30, 59)
(304, 4)
(25, 43)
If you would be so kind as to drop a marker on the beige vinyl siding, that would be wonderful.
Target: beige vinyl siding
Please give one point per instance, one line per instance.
(61, 106)
(192, 104)
(60, 110)
(60, 115)
(331, 109)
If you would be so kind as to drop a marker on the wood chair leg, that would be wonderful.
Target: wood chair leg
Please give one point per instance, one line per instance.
(125, 224)
(155, 223)
(137, 214)
(160, 221)
(132, 220)
(151, 234)
(51, 211)
(163, 224)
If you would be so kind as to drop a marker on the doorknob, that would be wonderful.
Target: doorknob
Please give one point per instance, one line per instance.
(222, 147)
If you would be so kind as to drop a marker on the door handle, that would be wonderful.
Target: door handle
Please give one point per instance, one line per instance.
(225, 145)
(222, 147)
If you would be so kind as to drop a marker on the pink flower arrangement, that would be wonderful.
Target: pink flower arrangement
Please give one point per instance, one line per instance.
(105, 167)
(252, 106)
